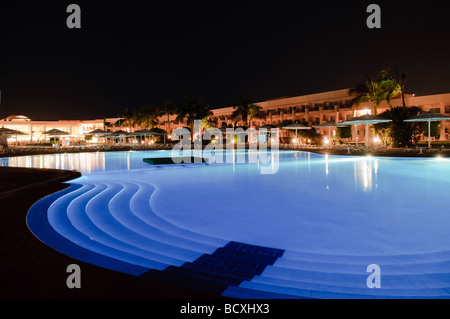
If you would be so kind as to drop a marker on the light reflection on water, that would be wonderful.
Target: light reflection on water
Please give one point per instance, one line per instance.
(83, 162)
(363, 171)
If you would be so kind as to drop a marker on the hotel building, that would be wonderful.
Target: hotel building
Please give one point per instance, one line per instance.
(330, 106)
(34, 131)
(312, 108)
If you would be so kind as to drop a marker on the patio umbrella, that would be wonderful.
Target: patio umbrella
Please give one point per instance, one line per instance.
(428, 117)
(55, 132)
(15, 132)
(158, 131)
(366, 119)
(97, 132)
(177, 130)
(144, 132)
(100, 133)
(329, 124)
(118, 133)
(5, 131)
(296, 126)
(132, 134)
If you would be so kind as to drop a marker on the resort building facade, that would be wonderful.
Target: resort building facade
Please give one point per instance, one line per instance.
(334, 106)
(313, 109)
(34, 131)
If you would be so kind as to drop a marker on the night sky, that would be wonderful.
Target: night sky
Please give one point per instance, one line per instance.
(131, 53)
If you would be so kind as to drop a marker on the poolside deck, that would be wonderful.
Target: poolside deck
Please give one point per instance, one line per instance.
(373, 151)
(334, 150)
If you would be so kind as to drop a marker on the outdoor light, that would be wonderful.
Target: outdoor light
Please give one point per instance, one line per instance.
(294, 140)
(376, 139)
(325, 140)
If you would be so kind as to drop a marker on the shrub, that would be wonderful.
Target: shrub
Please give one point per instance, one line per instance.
(344, 132)
(399, 133)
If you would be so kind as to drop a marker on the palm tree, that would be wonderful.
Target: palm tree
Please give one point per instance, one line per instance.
(375, 91)
(400, 78)
(245, 110)
(385, 87)
(148, 116)
(392, 86)
(209, 122)
(365, 92)
(255, 113)
(191, 109)
(168, 108)
(130, 118)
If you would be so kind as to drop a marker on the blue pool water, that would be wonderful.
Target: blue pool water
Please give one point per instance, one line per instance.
(328, 218)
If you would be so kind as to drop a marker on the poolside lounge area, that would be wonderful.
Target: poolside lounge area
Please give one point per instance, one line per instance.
(355, 150)
(343, 149)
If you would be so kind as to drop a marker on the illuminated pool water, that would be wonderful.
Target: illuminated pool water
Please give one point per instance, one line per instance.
(331, 216)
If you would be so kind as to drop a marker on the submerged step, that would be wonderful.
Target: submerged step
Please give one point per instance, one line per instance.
(228, 265)
(175, 160)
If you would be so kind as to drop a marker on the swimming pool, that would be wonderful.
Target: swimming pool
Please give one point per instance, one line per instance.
(309, 230)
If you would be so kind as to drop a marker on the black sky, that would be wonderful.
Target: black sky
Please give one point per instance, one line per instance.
(131, 53)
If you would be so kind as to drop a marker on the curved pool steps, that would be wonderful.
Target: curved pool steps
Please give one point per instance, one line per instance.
(142, 203)
(79, 229)
(90, 219)
(61, 233)
(147, 235)
(113, 225)
(61, 203)
(127, 206)
(100, 226)
(39, 224)
(104, 219)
